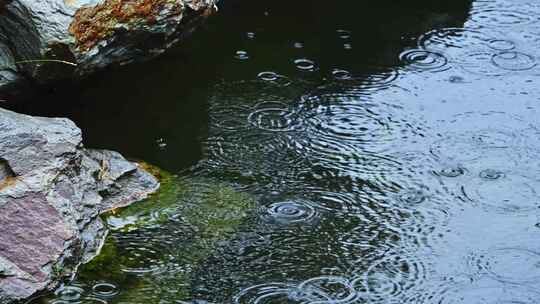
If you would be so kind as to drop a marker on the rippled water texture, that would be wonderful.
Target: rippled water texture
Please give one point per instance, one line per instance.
(392, 151)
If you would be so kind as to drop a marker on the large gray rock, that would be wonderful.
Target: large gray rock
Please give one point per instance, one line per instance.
(52, 191)
(86, 35)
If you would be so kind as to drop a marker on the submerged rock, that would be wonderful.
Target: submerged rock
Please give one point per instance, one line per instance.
(52, 191)
(48, 40)
(155, 245)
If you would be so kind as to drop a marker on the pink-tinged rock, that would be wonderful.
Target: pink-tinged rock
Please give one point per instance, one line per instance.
(52, 191)
(32, 234)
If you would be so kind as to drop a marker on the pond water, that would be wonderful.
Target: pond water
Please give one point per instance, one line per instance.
(359, 153)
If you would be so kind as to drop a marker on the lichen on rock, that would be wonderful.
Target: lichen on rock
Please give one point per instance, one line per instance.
(93, 24)
(36, 37)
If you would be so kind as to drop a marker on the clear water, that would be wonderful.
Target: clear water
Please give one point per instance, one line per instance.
(392, 151)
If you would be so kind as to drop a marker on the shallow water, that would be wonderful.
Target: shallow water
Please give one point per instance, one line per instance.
(393, 152)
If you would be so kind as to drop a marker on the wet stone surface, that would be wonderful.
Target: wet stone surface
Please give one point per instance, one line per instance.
(391, 153)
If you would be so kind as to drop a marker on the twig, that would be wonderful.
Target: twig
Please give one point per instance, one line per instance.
(47, 60)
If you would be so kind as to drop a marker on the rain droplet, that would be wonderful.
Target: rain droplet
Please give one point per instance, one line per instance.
(105, 290)
(268, 76)
(305, 64)
(491, 174)
(414, 197)
(291, 212)
(500, 17)
(423, 60)
(330, 289)
(274, 78)
(494, 193)
(452, 171)
(69, 293)
(241, 55)
(501, 45)
(264, 293)
(390, 278)
(512, 265)
(273, 116)
(514, 61)
(161, 143)
(456, 79)
(343, 34)
(480, 63)
(341, 74)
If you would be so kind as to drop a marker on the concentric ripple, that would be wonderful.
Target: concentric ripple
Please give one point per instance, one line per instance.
(105, 290)
(85, 300)
(501, 294)
(143, 251)
(451, 171)
(266, 293)
(502, 45)
(491, 174)
(509, 265)
(514, 61)
(69, 293)
(350, 118)
(367, 243)
(393, 278)
(481, 63)
(351, 122)
(423, 60)
(318, 290)
(497, 17)
(490, 189)
(413, 197)
(274, 116)
(297, 211)
(341, 74)
(241, 55)
(474, 145)
(305, 64)
(455, 42)
(256, 155)
(274, 77)
(333, 201)
(328, 289)
(379, 80)
(343, 34)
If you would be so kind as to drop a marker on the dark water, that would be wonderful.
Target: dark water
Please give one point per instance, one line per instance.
(393, 149)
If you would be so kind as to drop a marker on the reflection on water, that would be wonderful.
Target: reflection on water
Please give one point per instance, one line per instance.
(393, 152)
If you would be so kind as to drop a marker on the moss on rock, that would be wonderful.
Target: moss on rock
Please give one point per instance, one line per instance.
(198, 214)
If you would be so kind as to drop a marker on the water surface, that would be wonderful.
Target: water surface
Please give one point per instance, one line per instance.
(392, 151)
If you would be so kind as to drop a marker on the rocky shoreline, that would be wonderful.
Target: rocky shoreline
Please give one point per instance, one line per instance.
(46, 41)
(52, 191)
(52, 188)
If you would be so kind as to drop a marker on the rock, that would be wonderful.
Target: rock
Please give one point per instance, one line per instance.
(52, 191)
(48, 40)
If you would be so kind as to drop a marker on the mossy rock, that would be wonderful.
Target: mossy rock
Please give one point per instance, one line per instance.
(186, 220)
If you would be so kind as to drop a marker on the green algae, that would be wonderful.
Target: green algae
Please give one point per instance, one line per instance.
(187, 219)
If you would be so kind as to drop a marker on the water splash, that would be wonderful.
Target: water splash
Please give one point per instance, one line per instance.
(421, 60)
(290, 212)
(274, 116)
(305, 64)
